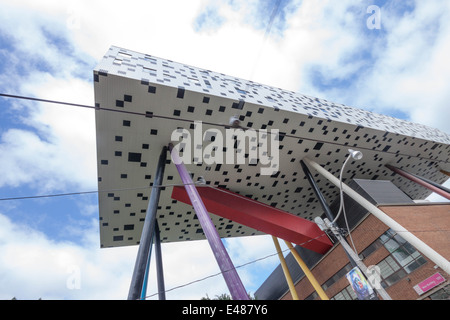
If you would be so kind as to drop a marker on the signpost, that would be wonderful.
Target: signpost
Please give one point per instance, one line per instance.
(359, 284)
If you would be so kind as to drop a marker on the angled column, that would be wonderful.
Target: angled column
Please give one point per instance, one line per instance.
(226, 266)
(317, 192)
(431, 185)
(421, 246)
(285, 268)
(159, 265)
(147, 268)
(142, 259)
(307, 272)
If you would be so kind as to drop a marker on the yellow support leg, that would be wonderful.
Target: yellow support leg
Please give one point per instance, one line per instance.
(287, 275)
(307, 272)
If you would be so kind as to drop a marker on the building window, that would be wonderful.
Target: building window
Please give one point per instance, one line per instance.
(312, 296)
(403, 258)
(346, 294)
(341, 273)
(442, 294)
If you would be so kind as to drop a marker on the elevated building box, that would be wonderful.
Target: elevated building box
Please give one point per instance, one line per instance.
(142, 100)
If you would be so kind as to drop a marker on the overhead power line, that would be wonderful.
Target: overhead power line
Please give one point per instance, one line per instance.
(198, 184)
(152, 115)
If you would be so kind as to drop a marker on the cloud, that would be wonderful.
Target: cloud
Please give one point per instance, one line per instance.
(57, 151)
(406, 74)
(32, 266)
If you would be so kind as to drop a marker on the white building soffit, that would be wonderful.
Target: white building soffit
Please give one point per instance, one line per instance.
(155, 97)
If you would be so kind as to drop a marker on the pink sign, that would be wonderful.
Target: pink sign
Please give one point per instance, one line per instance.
(429, 283)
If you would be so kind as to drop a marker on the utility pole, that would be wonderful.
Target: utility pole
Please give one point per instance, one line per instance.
(325, 224)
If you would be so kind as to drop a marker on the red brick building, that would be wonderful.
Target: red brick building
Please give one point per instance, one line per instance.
(402, 267)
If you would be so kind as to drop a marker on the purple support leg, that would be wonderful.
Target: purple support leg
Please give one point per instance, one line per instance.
(230, 274)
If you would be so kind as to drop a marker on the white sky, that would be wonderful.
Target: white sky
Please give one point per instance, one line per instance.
(320, 48)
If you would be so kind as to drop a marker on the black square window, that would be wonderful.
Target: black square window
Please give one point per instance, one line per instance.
(154, 132)
(151, 89)
(119, 103)
(176, 112)
(209, 112)
(118, 238)
(205, 99)
(191, 109)
(104, 162)
(180, 93)
(119, 138)
(126, 123)
(239, 105)
(222, 109)
(128, 227)
(260, 110)
(134, 157)
(118, 153)
(127, 98)
(318, 146)
(145, 146)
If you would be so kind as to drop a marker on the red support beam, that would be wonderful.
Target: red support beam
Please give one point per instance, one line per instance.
(259, 216)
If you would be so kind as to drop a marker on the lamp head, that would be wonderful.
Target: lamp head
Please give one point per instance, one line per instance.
(234, 122)
(357, 155)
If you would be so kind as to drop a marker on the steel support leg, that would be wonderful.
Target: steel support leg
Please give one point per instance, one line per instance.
(316, 190)
(229, 272)
(159, 265)
(431, 185)
(285, 268)
(307, 272)
(137, 280)
(147, 268)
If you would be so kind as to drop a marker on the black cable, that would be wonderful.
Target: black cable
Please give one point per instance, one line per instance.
(152, 115)
(98, 191)
(45, 100)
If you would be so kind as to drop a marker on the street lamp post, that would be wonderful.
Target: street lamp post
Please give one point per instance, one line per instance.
(331, 226)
